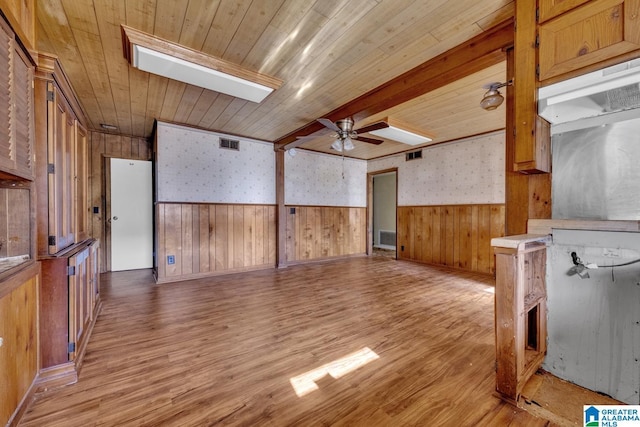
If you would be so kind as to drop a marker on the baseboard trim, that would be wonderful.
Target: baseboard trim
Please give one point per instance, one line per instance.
(56, 377)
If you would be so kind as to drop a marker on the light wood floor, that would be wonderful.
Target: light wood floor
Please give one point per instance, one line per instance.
(224, 351)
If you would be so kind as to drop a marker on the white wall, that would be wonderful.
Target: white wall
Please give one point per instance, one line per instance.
(316, 179)
(594, 335)
(468, 171)
(191, 167)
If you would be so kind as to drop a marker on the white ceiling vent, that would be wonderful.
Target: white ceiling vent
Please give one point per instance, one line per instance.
(230, 144)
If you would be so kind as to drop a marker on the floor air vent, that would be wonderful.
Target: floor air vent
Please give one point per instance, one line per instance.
(387, 238)
(231, 144)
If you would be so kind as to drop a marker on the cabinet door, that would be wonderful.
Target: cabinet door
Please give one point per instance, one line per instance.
(552, 8)
(78, 300)
(81, 205)
(94, 278)
(594, 32)
(61, 171)
(16, 108)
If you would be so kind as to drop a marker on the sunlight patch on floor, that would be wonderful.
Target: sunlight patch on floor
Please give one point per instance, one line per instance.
(306, 383)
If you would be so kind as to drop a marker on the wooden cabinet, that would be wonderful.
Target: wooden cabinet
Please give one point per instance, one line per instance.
(22, 15)
(16, 108)
(70, 298)
(520, 310)
(81, 184)
(60, 171)
(63, 202)
(19, 273)
(587, 35)
(70, 302)
(551, 8)
(571, 37)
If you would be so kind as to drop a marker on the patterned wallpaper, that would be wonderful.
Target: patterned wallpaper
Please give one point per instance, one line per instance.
(468, 171)
(317, 179)
(191, 167)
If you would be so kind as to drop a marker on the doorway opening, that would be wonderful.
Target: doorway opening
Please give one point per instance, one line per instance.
(383, 202)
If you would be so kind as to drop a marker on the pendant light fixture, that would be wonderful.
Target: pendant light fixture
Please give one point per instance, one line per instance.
(493, 98)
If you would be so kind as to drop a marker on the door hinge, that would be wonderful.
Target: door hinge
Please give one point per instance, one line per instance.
(537, 14)
(537, 40)
(71, 270)
(71, 348)
(538, 70)
(52, 240)
(50, 95)
(51, 168)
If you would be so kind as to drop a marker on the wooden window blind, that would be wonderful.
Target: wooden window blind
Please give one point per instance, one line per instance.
(23, 112)
(7, 151)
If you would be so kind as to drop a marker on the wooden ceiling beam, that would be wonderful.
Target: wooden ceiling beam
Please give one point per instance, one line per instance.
(480, 52)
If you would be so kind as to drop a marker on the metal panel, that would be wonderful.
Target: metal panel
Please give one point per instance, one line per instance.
(596, 173)
(594, 338)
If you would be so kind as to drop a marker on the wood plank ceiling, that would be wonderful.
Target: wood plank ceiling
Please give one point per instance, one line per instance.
(327, 52)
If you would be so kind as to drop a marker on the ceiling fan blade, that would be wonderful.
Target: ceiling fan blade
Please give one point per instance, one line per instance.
(373, 126)
(370, 140)
(329, 124)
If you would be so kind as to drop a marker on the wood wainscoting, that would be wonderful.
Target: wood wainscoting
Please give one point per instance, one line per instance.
(209, 239)
(457, 236)
(322, 232)
(19, 357)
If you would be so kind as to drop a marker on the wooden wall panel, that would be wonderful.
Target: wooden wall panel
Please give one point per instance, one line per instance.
(320, 232)
(457, 236)
(108, 145)
(210, 239)
(19, 330)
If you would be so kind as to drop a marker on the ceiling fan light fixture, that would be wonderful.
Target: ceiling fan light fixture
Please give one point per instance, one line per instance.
(337, 145)
(347, 144)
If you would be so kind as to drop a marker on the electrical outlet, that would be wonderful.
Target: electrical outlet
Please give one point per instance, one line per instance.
(1, 341)
(171, 259)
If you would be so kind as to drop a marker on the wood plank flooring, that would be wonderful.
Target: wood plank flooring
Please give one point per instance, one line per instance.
(224, 351)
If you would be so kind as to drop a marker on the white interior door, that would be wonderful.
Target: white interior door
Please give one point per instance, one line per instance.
(131, 215)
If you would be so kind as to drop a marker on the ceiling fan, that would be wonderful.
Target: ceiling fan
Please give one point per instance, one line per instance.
(345, 134)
